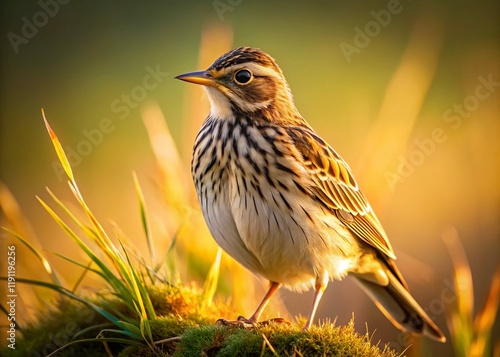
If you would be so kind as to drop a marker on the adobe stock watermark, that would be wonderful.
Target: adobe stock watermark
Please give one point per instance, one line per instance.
(122, 107)
(30, 26)
(454, 118)
(364, 35)
(223, 6)
(11, 297)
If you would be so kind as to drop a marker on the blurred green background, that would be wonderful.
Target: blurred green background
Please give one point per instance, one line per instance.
(392, 86)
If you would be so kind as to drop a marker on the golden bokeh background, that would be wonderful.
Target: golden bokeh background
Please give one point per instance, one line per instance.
(406, 91)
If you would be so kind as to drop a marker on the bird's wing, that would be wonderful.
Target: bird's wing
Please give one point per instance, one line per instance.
(335, 187)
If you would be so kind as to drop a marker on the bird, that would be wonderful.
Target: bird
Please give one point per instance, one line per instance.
(281, 201)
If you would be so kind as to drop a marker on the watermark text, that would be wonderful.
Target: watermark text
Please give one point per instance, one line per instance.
(11, 297)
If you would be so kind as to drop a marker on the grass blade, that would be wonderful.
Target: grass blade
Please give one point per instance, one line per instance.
(114, 281)
(144, 218)
(483, 324)
(39, 255)
(61, 155)
(210, 286)
(100, 340)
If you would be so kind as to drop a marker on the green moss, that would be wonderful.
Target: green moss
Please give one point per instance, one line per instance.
(285, 340)
(185, 303)
(59, 326)
(183, 328)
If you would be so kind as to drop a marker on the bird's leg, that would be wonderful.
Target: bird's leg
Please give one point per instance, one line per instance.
(321, 284)
(273, 288)
(252, 321)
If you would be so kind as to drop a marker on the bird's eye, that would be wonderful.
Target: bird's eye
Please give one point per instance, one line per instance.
(243, 76)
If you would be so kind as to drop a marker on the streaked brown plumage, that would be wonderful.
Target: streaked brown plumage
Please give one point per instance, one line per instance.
(281, 201)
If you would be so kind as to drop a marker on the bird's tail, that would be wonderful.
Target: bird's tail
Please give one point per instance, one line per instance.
(395, 301)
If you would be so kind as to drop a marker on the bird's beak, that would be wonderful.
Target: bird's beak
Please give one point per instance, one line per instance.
(201, 77)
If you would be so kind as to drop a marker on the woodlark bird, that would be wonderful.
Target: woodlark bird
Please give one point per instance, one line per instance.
(278, 199)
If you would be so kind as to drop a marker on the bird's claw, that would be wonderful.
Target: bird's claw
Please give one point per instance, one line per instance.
(241, 322)
(245, 323)
(275, 320)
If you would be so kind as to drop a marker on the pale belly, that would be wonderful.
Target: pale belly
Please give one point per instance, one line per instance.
(284, 236)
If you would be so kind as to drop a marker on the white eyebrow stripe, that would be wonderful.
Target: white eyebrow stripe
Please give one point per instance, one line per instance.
(257, 69)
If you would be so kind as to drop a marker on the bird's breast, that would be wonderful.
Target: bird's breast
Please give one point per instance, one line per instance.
(255, 200)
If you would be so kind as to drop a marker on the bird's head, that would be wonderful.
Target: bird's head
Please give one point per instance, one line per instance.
(245, 81)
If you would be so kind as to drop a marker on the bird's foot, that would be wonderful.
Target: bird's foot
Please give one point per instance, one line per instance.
(275, 320)
(245, 323)
(240, 322)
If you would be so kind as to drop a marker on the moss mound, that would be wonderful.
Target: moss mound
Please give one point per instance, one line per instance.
(183, 328)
